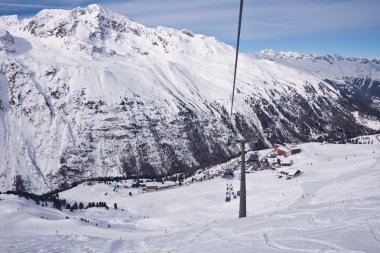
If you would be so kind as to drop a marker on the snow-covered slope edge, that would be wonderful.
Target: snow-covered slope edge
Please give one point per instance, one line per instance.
(86, 93)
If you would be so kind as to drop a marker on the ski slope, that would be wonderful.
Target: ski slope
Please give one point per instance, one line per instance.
(334, 206)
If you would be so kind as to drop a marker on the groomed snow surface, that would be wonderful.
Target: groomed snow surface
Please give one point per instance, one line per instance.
(334, 206)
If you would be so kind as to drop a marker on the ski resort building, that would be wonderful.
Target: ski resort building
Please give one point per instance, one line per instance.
(283, 151)
(285, 161)
(272, 162)
(151, 188)
(286, 150)
(289, 172)
(293, 148)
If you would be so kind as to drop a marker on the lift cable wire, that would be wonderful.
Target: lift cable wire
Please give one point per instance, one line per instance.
(236, 59)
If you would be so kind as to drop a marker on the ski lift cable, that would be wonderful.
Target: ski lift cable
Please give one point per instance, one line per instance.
(236, 59)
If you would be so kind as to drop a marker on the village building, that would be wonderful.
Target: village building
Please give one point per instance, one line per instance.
(217, 173)
(272, 162)
(293, 148)
(151, 188)
(283, 151)
(286, 149)
(289, 172)
(285, 161)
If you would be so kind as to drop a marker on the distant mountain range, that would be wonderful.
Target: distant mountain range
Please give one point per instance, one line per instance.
(87, 93)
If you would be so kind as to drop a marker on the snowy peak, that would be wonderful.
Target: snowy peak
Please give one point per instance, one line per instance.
(295, 56)
(12, 20)
(79, 22)
(269, 53)
(95, 30)
(91, 30)
(95, 9)
(6, 42)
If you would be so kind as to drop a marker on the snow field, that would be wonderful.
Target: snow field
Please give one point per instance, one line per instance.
(334, 206)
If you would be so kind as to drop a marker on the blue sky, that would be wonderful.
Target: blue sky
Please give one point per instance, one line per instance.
(346, 27)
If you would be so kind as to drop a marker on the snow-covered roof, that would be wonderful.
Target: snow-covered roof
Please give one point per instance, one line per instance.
(284, 160)
(288, 171)
(284, 149)
(272, 160)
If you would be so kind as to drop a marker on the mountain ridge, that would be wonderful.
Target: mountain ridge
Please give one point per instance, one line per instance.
(87, 93)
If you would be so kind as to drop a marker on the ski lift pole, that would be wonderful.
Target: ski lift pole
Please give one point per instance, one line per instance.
(243, 191)
(242, 207)
(243, 200)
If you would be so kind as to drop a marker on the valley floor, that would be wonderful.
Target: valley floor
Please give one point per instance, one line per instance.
(334, 206)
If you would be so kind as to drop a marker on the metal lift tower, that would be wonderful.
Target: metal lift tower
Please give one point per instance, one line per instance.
(243, 197)
(243, 206)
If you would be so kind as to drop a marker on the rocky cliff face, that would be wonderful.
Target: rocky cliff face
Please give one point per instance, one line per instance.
(87, 93)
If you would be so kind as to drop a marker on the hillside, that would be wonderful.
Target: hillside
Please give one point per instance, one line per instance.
(87, 93)
(333, 206)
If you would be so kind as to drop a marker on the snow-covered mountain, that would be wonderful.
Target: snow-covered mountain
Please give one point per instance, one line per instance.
(87, 93)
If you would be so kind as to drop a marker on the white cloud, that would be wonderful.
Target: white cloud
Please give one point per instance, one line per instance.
(26, 5)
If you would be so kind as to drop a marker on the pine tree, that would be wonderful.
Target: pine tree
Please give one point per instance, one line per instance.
(81, 206)
(57, 204)
(115, 206)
